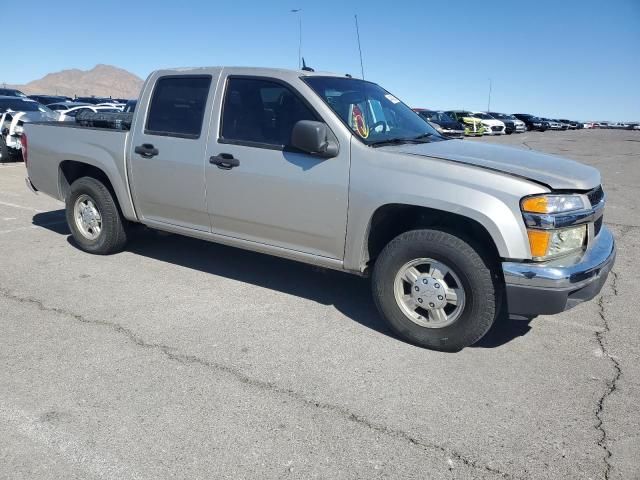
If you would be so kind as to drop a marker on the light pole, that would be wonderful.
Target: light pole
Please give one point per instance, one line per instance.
(299, 12)
(489, 101)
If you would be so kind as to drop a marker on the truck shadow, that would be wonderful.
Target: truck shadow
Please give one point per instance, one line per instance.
(349, 294)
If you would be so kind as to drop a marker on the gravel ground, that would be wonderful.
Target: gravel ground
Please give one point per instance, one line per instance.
(183, 359)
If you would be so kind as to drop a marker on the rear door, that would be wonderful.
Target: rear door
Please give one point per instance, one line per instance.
(167, 151)
(269, 192)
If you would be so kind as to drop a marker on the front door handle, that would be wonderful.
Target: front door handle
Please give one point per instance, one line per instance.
(146, 150)
(225, 161)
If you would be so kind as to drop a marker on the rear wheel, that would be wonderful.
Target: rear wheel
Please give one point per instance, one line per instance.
(435, 290)
(94, 219)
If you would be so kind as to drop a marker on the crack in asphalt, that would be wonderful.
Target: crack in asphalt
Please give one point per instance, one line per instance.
(171, 354)
(612, 384)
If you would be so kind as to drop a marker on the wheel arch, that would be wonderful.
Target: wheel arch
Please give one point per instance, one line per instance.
(71, 170)
(391, 219)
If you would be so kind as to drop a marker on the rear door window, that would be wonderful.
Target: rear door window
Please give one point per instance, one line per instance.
(177, 106)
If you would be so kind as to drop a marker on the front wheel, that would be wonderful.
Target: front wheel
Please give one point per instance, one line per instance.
(435, 290)
(94, 219)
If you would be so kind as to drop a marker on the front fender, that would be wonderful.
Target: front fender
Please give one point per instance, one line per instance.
(490, 198)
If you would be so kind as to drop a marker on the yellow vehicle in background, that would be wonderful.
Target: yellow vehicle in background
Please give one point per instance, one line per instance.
(472, 126)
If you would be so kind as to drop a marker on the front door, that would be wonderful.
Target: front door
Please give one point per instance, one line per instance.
(265, 191)
(167, 154)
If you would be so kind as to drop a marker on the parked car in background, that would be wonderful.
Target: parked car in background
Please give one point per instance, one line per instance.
(472, 126)
(118, 106)
(70, 114)
(518, 126)
(11, 92)
(14, 113)
(491, 125)
(93, 100)
(442, 122)
(130, 106)
(62, 106)
(49, 99)
(532, 122)
(570, 123)
(553, 124)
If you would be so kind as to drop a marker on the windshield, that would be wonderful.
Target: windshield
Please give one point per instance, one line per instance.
(373, 114)
(483, 116)
(19, 105)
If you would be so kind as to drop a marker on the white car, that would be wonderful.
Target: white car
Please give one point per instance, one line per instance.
(70, 114)
(491, 125)
(118, 106)
(15, 111)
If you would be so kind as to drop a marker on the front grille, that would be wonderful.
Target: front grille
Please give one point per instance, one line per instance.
(496, 128)
(595, 196)
(597, 226)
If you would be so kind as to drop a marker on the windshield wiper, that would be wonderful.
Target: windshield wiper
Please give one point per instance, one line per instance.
(423, 136)
(401, 140)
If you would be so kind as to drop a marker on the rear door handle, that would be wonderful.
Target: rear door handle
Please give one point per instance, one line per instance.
(225, 161)
(146, 150)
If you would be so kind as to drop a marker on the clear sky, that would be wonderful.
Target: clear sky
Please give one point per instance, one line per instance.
(578, 59)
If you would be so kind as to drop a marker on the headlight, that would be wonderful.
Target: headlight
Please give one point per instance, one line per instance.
(439, 128)
(546, 244)
(553, 203)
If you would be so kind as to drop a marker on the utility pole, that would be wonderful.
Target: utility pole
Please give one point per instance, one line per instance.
(359, 47)
(299, 12)
(489, 101)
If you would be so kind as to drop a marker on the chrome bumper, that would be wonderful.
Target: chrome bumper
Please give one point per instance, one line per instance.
(555, 286)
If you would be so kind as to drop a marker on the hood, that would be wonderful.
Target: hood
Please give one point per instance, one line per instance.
(556, 172)
(470, 120)
(492, 122)
(26, 117)
(38, 117)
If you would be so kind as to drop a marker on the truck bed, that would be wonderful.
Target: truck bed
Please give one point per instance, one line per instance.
(53, 147)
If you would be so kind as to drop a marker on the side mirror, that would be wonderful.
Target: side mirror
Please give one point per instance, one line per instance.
(314, 138)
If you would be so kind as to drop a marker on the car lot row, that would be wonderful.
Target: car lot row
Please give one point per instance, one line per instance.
(464, 123)
(16, 109)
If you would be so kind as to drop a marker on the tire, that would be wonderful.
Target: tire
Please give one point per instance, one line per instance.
(92, 195)
(476, 308)
(4, 152)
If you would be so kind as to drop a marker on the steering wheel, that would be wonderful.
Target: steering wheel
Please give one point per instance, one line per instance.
(380, 123)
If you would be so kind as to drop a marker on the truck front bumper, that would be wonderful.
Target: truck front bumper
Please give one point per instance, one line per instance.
(558, 285)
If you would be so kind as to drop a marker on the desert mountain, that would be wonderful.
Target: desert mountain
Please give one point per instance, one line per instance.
(102, 81)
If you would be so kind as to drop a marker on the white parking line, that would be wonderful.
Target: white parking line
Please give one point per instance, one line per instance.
(19, 229)
(21, 207)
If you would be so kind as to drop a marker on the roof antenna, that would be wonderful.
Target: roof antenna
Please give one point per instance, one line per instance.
(305, 68)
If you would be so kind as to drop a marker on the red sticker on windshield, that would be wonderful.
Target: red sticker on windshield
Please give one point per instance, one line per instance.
(358, 122)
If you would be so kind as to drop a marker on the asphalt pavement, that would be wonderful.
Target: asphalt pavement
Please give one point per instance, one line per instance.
(183, 359)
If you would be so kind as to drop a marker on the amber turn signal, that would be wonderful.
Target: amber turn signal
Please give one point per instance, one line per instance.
(535, 204)
(539, 242)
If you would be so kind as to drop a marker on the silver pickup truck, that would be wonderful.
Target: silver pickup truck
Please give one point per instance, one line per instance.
(337, 172)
